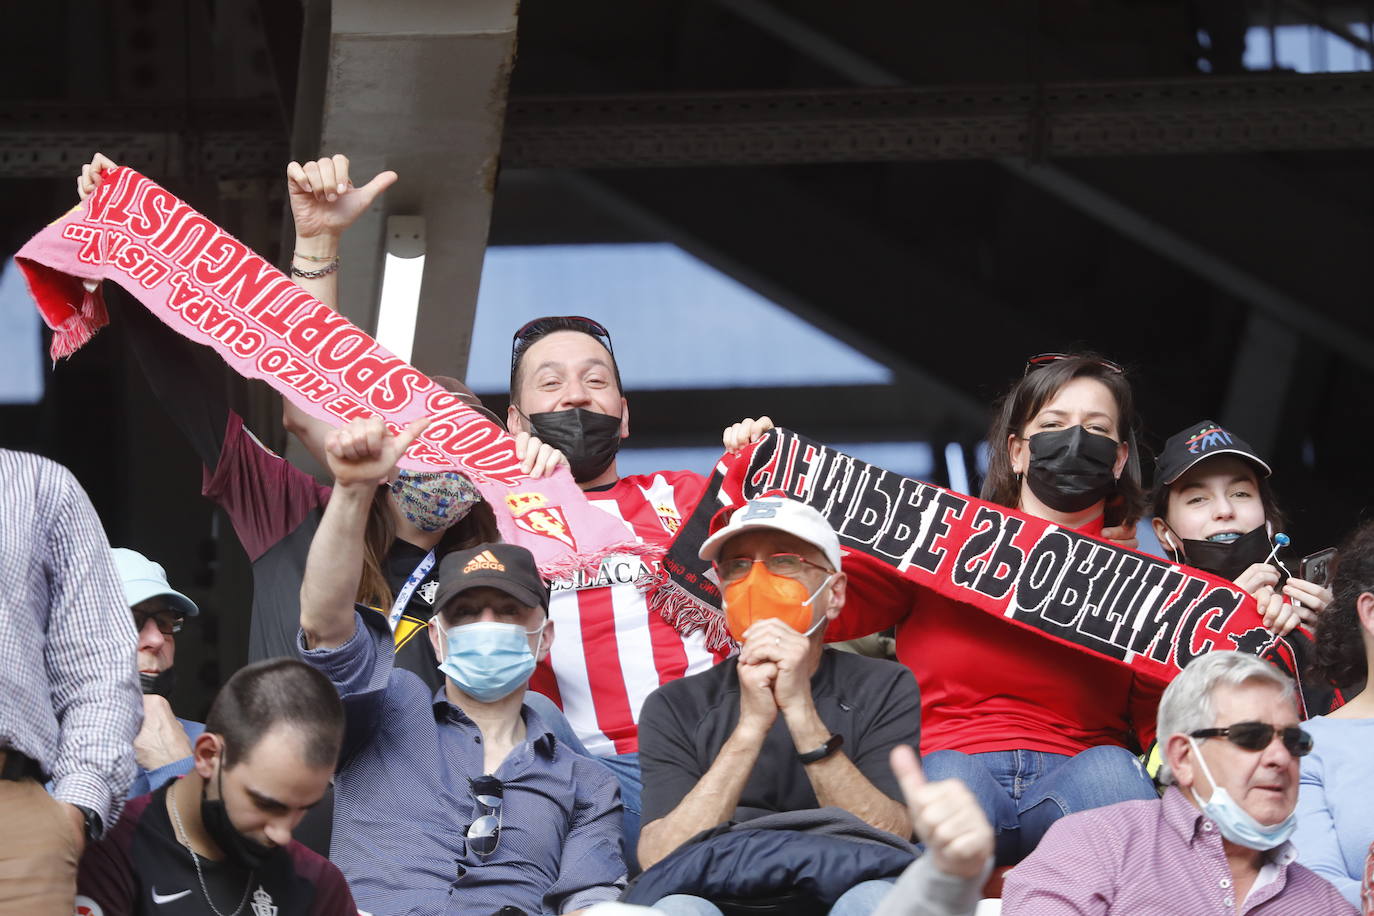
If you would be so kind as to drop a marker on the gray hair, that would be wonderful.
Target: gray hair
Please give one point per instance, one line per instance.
(1187, 702)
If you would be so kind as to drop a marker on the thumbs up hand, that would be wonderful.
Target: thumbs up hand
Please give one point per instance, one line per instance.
(946, 817)
(323, 198)
(365, 452)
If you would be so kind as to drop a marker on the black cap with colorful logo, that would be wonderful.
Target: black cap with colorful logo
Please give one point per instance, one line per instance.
(1198, 441)
(504, 567)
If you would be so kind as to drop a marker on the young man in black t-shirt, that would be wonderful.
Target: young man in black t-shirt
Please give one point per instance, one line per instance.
(218, 840)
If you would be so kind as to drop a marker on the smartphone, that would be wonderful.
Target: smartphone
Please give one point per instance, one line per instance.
(1316, 567)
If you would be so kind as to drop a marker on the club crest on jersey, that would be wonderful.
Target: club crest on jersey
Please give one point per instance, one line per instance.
(428, 591)
(85, 906)
(531, 512)
(262, 903)
(668, 517)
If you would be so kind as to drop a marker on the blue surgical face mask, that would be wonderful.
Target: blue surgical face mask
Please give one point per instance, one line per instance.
(1234, 822)
(489, 660)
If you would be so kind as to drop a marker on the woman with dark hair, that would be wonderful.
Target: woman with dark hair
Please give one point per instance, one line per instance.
(1335, 806)
(1213, 508)
(1085, 404)
(1036, 729)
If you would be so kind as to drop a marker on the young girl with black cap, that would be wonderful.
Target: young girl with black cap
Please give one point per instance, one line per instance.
(1214, 510)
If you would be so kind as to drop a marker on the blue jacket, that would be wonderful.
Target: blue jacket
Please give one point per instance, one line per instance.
(794, 861)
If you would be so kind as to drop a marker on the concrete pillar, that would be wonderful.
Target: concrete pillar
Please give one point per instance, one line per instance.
(419, 86)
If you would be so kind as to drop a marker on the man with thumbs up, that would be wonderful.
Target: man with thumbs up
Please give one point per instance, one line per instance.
(958, 838)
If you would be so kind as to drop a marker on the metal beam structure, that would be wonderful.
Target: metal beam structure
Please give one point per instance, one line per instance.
(225, 140)
(1055, 120)
(1259, 113)
(1268, 353)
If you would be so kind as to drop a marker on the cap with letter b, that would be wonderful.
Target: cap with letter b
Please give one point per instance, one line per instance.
(780, 514)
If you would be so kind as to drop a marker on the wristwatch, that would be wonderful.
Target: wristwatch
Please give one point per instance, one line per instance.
(92, 823)
(831, 745)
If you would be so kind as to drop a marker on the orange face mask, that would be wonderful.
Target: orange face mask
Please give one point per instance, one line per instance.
(763, 594)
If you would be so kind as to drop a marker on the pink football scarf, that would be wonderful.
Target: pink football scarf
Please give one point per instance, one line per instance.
(211, 288)
(1050, 583)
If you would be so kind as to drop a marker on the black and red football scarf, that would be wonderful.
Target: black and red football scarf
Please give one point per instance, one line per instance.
(1148, 614)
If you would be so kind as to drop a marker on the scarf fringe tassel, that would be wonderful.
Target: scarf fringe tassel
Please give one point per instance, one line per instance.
(80, 326)
(683, 611)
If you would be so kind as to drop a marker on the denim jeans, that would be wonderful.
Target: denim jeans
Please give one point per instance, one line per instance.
(1024, 792)
(625, 768)
(859, 900)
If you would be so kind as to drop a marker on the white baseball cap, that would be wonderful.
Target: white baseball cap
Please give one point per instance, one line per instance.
(780, 514)
(144, 579)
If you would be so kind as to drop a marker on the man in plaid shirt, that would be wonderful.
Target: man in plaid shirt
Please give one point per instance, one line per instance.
(70, 702)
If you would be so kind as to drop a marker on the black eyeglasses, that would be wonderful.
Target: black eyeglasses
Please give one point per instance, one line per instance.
(168, 624)
(1045, 359)
(533, 330)
(484, 835)
(782, 564)
(1255, 736)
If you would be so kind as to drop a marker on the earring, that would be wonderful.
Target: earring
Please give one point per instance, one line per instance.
(1018, 477)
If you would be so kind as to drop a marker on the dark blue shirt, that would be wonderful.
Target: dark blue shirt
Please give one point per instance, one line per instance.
(403, 802)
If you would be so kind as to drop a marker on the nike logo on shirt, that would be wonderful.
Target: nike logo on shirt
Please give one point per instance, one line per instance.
(168, 898)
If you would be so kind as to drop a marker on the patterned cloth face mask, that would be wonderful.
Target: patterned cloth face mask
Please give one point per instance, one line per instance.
(432, 501)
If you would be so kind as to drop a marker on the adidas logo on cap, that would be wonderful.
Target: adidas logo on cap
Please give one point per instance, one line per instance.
(484, 560)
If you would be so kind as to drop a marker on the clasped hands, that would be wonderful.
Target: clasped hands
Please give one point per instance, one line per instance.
(774, 675)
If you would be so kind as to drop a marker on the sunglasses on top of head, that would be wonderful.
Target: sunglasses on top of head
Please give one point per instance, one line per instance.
(1046, 359)
(531, 331)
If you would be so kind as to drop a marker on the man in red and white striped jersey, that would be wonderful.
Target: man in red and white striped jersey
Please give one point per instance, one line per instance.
(612, 651)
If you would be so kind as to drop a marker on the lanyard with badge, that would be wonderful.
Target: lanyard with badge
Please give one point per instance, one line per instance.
(403, 596)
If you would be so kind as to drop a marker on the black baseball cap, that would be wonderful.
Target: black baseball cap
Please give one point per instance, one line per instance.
(1204, 439)
(504, 567)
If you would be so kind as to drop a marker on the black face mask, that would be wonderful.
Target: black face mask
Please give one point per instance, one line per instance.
(589, 440)
(239, 849)
(159, 684)
(1071, 469)
(1227, 560)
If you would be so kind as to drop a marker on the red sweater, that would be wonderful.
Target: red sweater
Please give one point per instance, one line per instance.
(988, 684)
